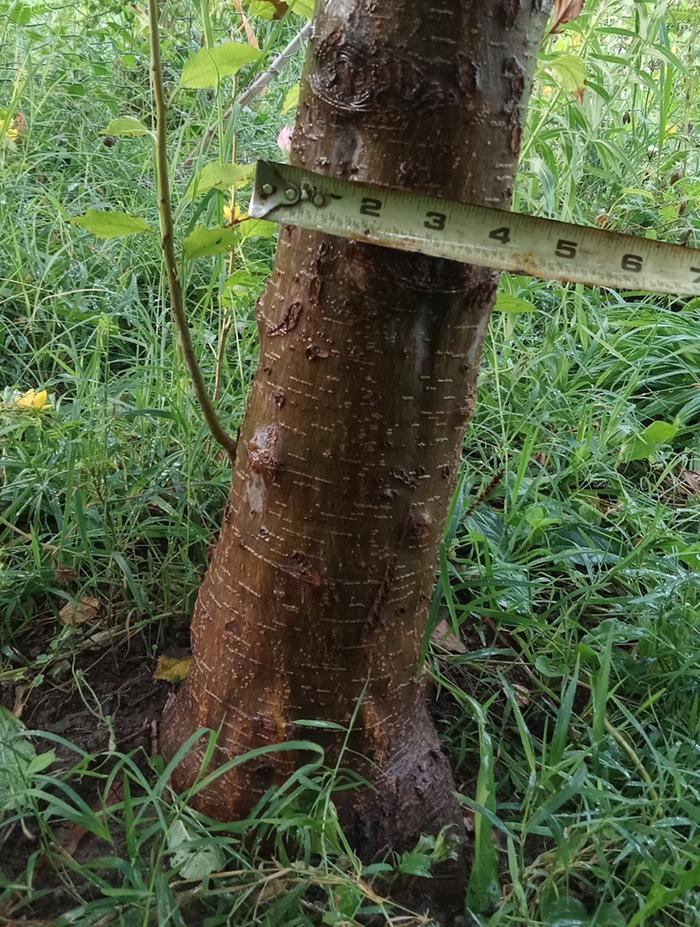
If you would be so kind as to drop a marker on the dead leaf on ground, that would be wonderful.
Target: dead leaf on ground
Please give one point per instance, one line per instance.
(565, 11)
(64, 576)
(172, 669)
(21, 696)
(522, 695)
(443, 636)
(689, 482)
(469, 819)
(87, 609)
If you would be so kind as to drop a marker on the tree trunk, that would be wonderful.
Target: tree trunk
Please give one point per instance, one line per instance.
(317, 594)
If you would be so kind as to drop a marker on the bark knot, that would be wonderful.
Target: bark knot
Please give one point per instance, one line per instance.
(264, 451)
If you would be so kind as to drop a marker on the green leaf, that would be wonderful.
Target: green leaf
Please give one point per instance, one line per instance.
(428, 852)
(193, 858)
(609, 916)
(16, 757)
(41, 762)
(569, 71)
(241, 285)
(263, 9)
(303, 7)
(513, 305)
(484, 890)
(204, 242)
(565, 912)
(104, 224)
(210, 65)
(645, 444)
(291, 100)
(216, 176)
(415, 864)
(125, 126)
(256, 228)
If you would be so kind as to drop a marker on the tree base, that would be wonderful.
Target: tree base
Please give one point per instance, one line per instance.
(409, 794)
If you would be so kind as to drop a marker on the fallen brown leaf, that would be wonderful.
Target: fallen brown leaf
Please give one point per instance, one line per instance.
(690, 481)
(565, 11)
(443, 636)
(522, 695)
(87, 609)
(172, 669)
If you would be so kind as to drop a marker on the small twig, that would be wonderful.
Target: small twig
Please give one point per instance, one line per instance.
(168, 244)
(220, 357)
(250, 35)
(256, 88)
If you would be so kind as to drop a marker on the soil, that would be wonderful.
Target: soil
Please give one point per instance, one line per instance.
(99, 694)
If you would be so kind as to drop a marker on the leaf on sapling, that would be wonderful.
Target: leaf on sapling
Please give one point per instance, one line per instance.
(217, 176)
(568, 71)
(204, 242)
(268, 9)
(208, 66)
(256, 228)
(291, 100)
(124, 126)
(303, 7)
(106, 224)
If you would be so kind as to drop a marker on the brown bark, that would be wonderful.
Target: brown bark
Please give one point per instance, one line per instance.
(319, 586)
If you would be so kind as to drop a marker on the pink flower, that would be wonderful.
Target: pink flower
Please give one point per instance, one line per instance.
(284, 139)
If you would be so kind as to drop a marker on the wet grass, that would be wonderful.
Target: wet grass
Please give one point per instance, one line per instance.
(573, 720)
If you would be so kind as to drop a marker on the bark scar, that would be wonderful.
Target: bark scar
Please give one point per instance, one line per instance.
(381, 598)
(289, 321)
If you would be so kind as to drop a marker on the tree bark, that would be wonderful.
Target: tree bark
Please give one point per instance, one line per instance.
(317, 593)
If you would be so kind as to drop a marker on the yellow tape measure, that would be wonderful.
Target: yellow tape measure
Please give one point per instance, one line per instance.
(471, 234)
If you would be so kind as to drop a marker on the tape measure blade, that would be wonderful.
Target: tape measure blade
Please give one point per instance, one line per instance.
(472, 234)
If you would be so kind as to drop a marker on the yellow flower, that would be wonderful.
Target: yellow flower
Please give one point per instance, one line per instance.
(547, 92)
(232, 216)
(32, 400)
(10, 130)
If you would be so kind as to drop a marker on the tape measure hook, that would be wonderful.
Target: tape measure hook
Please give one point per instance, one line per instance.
(272, 190)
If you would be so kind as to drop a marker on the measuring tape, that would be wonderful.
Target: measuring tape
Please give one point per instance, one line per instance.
(472, 234)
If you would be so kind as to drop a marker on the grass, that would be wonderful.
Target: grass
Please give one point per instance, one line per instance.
(573, 720)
